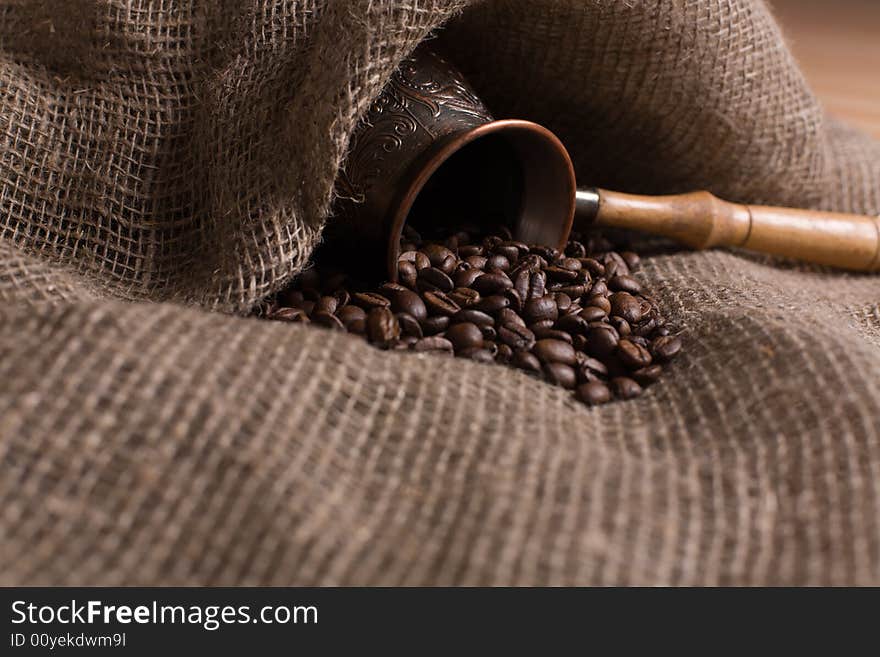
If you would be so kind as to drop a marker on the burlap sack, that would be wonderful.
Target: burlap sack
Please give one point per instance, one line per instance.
(183, 153)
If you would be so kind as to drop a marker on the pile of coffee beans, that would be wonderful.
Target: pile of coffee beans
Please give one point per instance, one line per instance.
(578, 319)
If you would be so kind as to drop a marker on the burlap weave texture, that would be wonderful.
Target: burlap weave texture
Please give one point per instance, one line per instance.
(157, 155)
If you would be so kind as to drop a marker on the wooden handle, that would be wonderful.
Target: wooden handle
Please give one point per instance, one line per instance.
(701, 220)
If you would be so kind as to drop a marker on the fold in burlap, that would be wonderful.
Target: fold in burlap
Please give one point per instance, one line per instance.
(184, 153)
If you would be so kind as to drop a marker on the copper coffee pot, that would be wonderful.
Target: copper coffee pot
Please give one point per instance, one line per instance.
(429, 150)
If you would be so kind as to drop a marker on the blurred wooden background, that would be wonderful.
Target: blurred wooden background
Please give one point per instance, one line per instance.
(837, 43)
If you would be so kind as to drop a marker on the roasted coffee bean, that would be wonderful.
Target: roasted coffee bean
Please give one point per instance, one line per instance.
(632, 260)
(473, 316)
(327, 320)
(575, 249)
(464, 296)
(563, 302)
(350, 313)
(497, 262)
(508, 316)
(357, 326)
(494, 283)
(522, 283)
(517, 337)
(550, 333)
(600, 302)
(382, 327)
(599, 289)
(572, 264)
(594, 393)
(437, 254)
(407, 273)
(666, 348)
(369, 300)
(409, 325)
(537, 286)
(526, 361)
(623, 327)
(632, 355)
(515, 300)
(573, 324)
(540, 309)
(465, 336)
(477, 262)
(492, 304)
(508, 251)
(560, 375)
(435, 325)
(470, 250)
(490, 335)
(593, 314)
(626, 306)
(386, 289)
(433, 343)
(615, 265)
(560, 274)
(555, 351)
(448, 265)
(289, 315)
(504, 354)
(625, 388)
(291, 298)
(593, 266)
(436, 278)
(601, 341)
(419, 259)
(467, 277)
(478, 355)
(624, 283)
(592, 365)
(543, 325)
(438, 303)
(648, 375)
(407, 301)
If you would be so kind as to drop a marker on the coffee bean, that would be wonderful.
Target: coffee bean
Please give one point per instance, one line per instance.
(600, 302)
(504, 355)
(648, 375)
(435, 325)
(409, 325)
(464, 336)
(517, 337)
(555, 351)
(437, 254)
(624, 283)
(438, 303)
(473, 316)
(327, 320)
(419, 259)
(515, 300)
(494, 283)
(560, 375)
(540, 309)
(464, 296)
(469, 251)
(593, 266)
(289, 315)
(433, 343)
(478, 355)
(369, 300)
(601, 341)
(560, 274)
(625, 305)
(492, 304)
(632, 355)
(407, 273)
(508, 251)
(526, 361)
(478, 262)
(436, 278)
(407, 301)
(563, 302)
(350, 313)
(593, 314)
(594, 393)
(549, 333)
(632, 260)
(382, 327)
(357, 326)
(575, 249)
(625, 388)
(573, 324)
(666, 348)
(537, 286)
(508, 316)
(467, 277)
(623, 327)
(497, 262)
